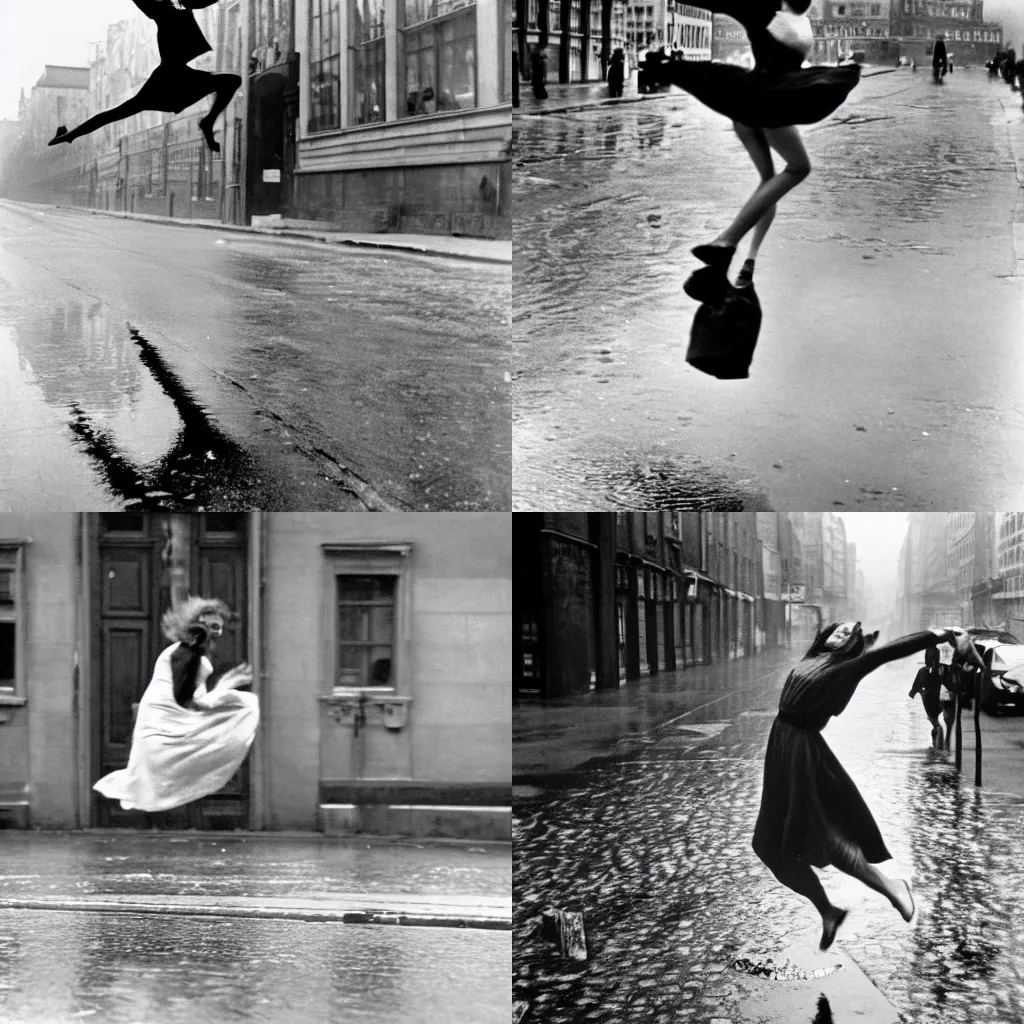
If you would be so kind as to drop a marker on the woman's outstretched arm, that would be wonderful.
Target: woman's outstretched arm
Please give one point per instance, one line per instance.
(901, 648)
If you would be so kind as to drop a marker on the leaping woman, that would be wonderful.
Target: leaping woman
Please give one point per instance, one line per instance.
(812, 813)
(174, 85)
(764, 104)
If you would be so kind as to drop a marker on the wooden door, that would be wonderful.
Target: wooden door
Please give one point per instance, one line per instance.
(141, 561)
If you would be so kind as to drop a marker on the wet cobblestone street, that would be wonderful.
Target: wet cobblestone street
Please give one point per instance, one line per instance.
(655, 851)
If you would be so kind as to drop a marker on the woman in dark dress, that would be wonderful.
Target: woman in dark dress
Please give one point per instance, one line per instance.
(764, 104)
(812, 814)
(174, 85)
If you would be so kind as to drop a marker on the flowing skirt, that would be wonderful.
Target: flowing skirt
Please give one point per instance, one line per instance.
(810, 807)
(179, 755)
(173, 87)
(763, 98)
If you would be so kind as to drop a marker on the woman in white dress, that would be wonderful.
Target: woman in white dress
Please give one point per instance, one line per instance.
(189, 739)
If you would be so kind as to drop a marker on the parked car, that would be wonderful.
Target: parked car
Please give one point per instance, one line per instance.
(1005, 685)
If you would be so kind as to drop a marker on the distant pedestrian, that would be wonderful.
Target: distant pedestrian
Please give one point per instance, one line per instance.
(189, 737)
(539, 73)
(617, 73)
(812, 814)
(764, 104)
(940, 64)
(928, 683)
(1009, 65)
(174, 85)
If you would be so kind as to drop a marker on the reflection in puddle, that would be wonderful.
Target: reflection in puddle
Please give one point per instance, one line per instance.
(147, 437)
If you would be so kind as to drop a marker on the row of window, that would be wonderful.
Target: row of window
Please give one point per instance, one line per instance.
(857, 10)
(437, 59)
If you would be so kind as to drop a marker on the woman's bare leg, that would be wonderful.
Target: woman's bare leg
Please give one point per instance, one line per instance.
(802, 880)
(227, 86)
(119, 113)
(760, 152)
(788, 144)
(850, 859)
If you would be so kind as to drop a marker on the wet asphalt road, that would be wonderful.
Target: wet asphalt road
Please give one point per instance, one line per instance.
(144, 366)
(889, 365)
(59, 966)
(115, 863)
(129, 969)
(655, 850)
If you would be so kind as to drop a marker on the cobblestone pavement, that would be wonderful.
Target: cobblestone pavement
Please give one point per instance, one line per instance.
(655, 851)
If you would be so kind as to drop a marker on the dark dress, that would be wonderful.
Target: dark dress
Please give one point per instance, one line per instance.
(778, 91)
(173, 86)
(809, 805)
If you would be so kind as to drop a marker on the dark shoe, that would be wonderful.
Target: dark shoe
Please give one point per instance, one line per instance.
(59, 137)
(745, 278)
(715, 255)
(707, 285)
(828, 933)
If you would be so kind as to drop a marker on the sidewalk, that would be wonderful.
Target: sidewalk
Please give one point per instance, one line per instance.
(297, 878)
(478, 250)
(563, 98)
(561, 736)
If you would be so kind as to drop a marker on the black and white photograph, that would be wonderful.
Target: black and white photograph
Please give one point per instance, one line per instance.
(255, 767)
(767, 254)
(255, 254)
(766, 767)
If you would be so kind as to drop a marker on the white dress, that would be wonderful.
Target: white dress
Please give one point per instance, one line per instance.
(178, 754)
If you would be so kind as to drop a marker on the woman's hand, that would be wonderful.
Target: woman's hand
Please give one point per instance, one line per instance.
(965, 649)
(234, 678)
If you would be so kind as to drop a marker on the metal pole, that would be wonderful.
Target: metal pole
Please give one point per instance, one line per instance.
(959, 733)
(977, 728)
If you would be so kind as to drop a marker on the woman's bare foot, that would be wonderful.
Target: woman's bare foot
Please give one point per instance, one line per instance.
(207, 130)
(903, 899)
(830, 925)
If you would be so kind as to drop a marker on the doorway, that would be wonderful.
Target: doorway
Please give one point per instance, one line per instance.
(143, 563)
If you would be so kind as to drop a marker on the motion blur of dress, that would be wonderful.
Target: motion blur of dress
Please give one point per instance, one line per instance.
(179, 754)
(809, 805)
(779, 91)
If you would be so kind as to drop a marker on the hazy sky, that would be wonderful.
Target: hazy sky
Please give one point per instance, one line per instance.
(878, 536)
(34, 34)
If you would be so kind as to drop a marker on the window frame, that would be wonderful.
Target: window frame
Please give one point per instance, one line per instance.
(315, 67)
(434, 25)
(12, 555)
(368, 559)
(355, 48)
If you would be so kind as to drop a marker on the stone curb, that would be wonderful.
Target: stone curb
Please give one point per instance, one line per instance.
(593, 104)
(368, 911)
(330, 238)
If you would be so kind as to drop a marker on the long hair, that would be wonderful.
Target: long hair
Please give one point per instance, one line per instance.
(176, 620)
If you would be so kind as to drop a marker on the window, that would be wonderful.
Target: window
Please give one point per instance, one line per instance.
(324, 65)
(440, 56)
(12, 618)
(367, 599)
(840, 9)
(366, 630)
(876, 10)
(368, 66)
(507, 48)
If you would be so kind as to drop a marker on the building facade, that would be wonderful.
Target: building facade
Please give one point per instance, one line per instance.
(571, 34)
(404, 115)
(602, 598)
(926, 589)
(729, 41)
(380, 646)
(676, 26)
(842, 27)
(969, 38)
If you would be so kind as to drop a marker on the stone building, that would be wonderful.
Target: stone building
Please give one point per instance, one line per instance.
(380, 644)
(602, 598)
(404, 115)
